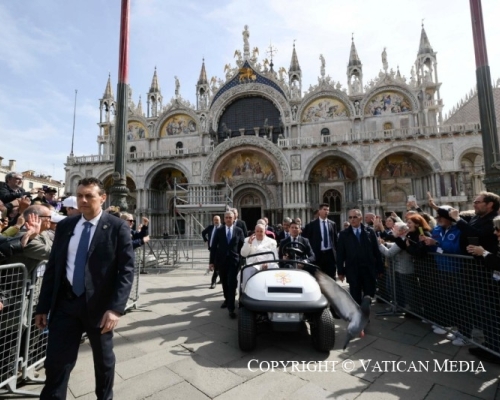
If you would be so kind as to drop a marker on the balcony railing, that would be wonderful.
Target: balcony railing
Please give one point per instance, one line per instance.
(348, 137)
(146, 155)
(387, 134)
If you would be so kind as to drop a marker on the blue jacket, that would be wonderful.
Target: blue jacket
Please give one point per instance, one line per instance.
(449, 241)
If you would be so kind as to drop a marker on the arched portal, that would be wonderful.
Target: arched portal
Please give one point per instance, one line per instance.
(333, 181)
(472, 174)
(250, 202)
(399, 175)
(131, 197)
(166, 183)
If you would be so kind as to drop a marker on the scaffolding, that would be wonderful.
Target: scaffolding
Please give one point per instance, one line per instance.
(194, 204)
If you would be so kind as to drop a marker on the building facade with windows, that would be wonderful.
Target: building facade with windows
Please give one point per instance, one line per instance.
(258, 141)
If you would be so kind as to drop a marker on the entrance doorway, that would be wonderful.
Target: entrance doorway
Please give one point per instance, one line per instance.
(251, 215)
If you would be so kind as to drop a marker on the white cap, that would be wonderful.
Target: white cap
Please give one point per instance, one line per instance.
(70, 202)
(55, 217)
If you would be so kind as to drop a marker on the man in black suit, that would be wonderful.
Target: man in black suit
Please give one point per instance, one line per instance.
(290, 241)
(225, 256)
(285, 233)
(322, 233)
(239, 223)
(207, 235)
(85, 288)
(359, 258)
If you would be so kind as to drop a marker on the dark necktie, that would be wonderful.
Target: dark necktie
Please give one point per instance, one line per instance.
(325, 235)
(358, 234)
(228, 235)
(81, 260)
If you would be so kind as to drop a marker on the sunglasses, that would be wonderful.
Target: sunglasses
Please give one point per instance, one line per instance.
(353, 217)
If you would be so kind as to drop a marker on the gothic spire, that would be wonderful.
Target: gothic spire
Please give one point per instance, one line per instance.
(425, 45)
(139, 107)
(353, 57)
(202, 80)
(108, 92)
(294, 64)
(155, 87)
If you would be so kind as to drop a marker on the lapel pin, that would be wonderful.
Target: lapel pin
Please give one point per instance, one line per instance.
(105, 227)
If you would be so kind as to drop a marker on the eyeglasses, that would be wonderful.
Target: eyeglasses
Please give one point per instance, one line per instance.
(45, 216)
(477, 202)
(353, 216)
(496, 229)
(130, 220)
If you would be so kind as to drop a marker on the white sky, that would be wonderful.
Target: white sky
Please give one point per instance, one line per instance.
(50, 48)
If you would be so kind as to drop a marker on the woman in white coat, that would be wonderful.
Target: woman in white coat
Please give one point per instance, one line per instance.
(253, 246)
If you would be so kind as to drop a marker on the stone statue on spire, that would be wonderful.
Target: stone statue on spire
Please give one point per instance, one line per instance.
(246, 44)
(177, 87)
(322, 70)
(385, 64)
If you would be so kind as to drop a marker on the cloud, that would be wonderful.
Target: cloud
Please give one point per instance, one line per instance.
(24, 45)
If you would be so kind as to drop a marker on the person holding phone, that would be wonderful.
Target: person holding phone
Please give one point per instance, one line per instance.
(418, 231)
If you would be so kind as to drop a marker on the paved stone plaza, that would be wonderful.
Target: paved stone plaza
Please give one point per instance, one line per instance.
(183, 346)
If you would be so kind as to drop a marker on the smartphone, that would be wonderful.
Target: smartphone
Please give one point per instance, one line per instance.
(388, 213)
(411, 197)
(421, 230)
(473, 241)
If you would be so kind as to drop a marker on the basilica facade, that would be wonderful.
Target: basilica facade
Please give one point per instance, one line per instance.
(258, 141)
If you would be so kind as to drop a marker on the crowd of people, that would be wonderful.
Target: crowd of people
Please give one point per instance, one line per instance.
(413, 261)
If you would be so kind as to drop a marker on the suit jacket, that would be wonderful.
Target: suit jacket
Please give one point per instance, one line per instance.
(109, 271)
(308, 251)
(355, 256)
(312, 231)
(206, 234)
(281, 236)
(224, 253)
(243, 226)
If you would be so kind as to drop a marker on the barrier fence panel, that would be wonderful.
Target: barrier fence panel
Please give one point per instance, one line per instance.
(138, 265)
(13, 283)
(35, 340)
(159, 253)
(455, 293)
(192, 252)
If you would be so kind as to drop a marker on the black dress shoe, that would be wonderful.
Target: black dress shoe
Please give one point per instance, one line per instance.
(223, 305)
(484, 355)
(232, 315)
(212, 286)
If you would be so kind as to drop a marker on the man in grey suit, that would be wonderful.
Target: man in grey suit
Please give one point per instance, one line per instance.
(85, 288)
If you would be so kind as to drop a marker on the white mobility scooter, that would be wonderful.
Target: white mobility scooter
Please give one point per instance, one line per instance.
(285, 298)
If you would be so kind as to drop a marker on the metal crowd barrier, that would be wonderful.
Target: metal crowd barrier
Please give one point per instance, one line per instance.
(14, 328)
(138, 265)
(193, 251)
(158, 253)
(453, 292)
(165, 253)
(35, 340)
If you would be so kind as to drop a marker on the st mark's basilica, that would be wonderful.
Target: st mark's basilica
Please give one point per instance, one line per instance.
(258, 140)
